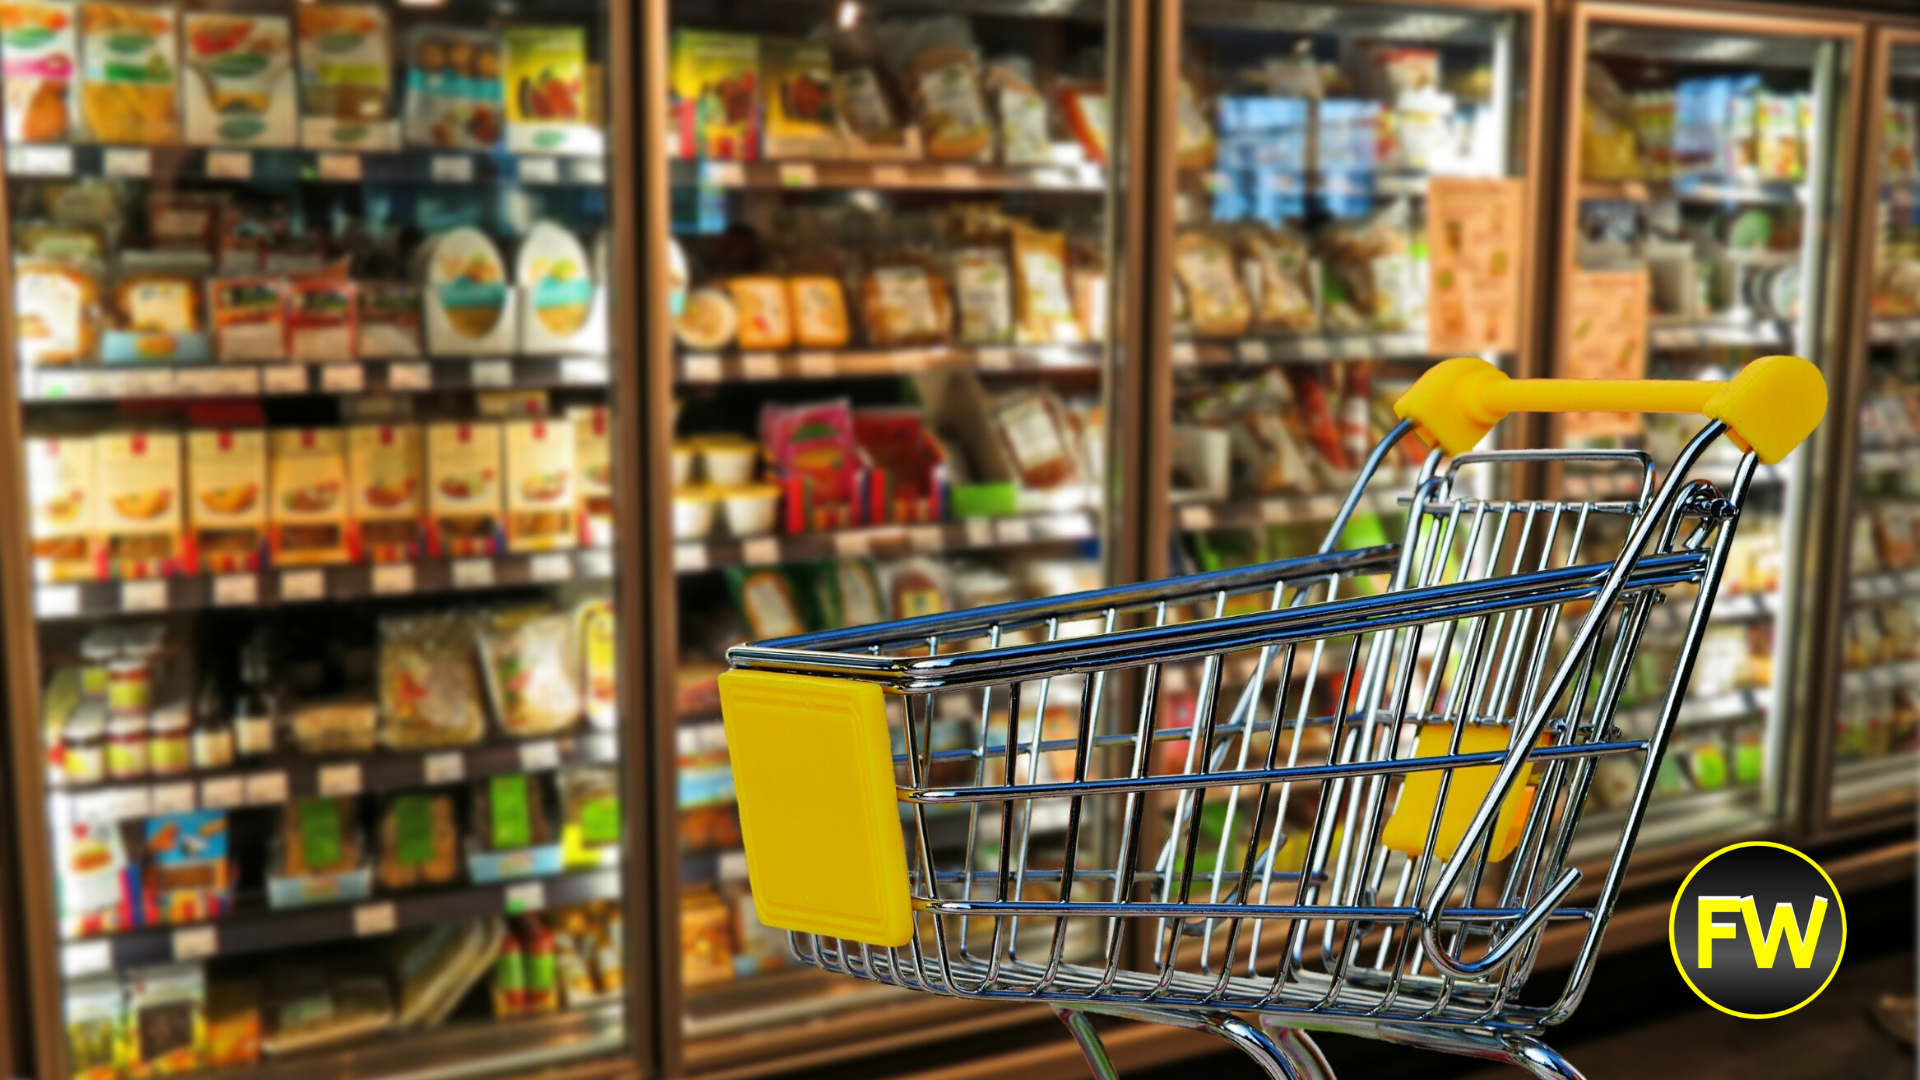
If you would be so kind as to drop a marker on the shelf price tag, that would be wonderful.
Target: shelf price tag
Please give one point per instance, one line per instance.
(539, 170)
(56, 601)
(371, 919)
(447, 767)
(1254, 351)
(339, 166)
(1185, 353)
(818, 365)
(689, 558)
(131, 162)
(539, 755)
(283, 379)
(761, 551)
(266, 789)
(583, 371)
(760, 366)
(340, 780)
(526, 896)
(44, 161)
(1196, 517)
(554, 566)
(236, 590)
(393, 578)
(798, 175)
(927, 538)
(965, 176)
(409, 377)
(343, 378)
(195, 942)
(492, 373)
(229, 165)
(452, 169)
(852, 545)
(1013, 530)
(172, 798)
(236, 381)
(995, 359)
(889, 176)
(303, 585)
(222, 792)
(143, 595)
(700, 367)
(86, 958)
(472, 573)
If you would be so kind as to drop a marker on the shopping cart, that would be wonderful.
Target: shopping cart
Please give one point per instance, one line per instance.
(1337, 792)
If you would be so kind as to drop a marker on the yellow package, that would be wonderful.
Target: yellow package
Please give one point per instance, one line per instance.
(1215, 299)
(62, 489)
(819, 307)
(226, 499)
(130, 72)
(593, 465)
(386, 477)
(766, 322)
(463, 489)
(1406, 830)
(138, 476)
(307, 520)
(1043, 309)
(541, 513)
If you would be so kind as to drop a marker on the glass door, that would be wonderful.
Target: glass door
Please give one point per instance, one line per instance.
(316, 724)
(1700, 231)
(888, 270)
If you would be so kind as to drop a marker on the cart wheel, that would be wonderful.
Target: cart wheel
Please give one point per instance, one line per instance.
(1285, 1053)
(1090, 1046)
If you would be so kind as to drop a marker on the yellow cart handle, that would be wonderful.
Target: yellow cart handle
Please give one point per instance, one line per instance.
(1770, 407)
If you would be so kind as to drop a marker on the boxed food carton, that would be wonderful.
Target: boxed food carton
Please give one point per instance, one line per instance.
(307, 523)
(463, 489)
(388, 504)
(240, 85)
(346, 78)
(130, 72)
(593, 466)
(159, 316)
(799, 117)
(470, 309)
(550, 92)
(249, 319)
(542, 514)
(226, 500)
(41, 55)
(715, 101)
(563, 307)
(138, 477)
(63, 491)
(453, 87)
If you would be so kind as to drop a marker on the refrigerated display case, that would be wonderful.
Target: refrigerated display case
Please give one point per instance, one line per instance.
(884, 240)
(1707, 173)
(313, 598)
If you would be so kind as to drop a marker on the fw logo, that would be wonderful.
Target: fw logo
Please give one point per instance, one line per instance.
(1720, 907)
(1766, 945)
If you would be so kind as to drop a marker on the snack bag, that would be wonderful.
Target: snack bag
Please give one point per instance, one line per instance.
(532, 670)
(548, 111)
(429, 684)
(41, 55)
(131, 72)
(346, 79)
(240, 80)
(453, 88)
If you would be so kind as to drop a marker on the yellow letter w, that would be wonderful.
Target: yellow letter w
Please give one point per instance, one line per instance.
(1784, 922)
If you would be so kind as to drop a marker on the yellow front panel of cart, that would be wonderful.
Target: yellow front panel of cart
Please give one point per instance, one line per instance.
(813, 775)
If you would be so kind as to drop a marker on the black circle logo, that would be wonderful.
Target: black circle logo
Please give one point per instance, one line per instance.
(1757, 930)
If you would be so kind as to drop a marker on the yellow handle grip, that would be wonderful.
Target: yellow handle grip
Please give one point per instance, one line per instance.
(1770, 407)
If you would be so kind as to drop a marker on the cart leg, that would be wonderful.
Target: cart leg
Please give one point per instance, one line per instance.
(1540, 1059)
(1096, 1054)
(1284, 1053)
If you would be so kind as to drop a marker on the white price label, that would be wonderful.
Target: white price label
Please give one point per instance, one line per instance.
(1013, 530)
(195, 942)
(979, 532)
(341, 780)
(700, 367)
(526, 896)
(1314, 348)
(539, 170)
(86, 958)
(1254, 351)
(45, 161)
(1185, 353)
(797, 175)
(130, 162)
(689, 558)
(339, 166)
(409, 377)
(595, 564)
(493, 373)
(303, 585)
(1196, 517)
(1277, 510)
(760, 366)
(960, 176)
(852, 545)
(218, 381)
(229, 165)
(231, 590)
(761, 551)
(343, 378)
(143, 596)
(927, 538)
(995, 359)
(283, 379)
(554, 566)
(371, 919)
(818, 365)
(222, 792)
(583, 371)
(1323, 507)
(731, 867)
(889, 176)
(56, 601)
(393, 578)
(172, 798)
(472, 573)
(448, 767)
(266, 789)
(452, 169)
(539, 755)
(722, 174)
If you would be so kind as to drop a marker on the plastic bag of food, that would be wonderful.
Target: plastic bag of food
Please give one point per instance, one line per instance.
(589, 812)
(1371, 271)
(983, 293)
(531, 666)
(1280, 278)
(1216, 302)
(1019, 110)
(767, 598)
(511, 813)
(1034, 432)
(1044, 309)
(936, 60)
(904, 301)
(429, 686)
(419, 840)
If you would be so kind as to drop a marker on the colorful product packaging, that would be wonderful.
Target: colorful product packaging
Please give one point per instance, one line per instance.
(453, 88)
(541, 511)
(463, 489)
(226, 499)
(346, 79)
(593, 467)
(40, 55)
(386, 474)
(138, 476)
(249, 319)
(799, 114)
(549, 107)
(715, 94)
(63, 492)
(130, 72)
(307, 520)
(240, 80)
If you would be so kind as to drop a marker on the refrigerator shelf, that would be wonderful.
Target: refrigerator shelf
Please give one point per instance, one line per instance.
(1665, 332)
(693, 556)
(1069, 176)
(1696, 712)
(175, 163)
(1906, 673)
(115, 382)
(1279, 510)
(1302, 348)
(1885, 586)
(272, 588)
(880, 363)
(284, 779)
(1860, 781)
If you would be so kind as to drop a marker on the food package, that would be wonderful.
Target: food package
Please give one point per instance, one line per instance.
(41, 55)
(453, 87)
(1217, 303)
(848, 594)
(904, 301)
(307, 518)
(1089, 118)
(433, 968)
(309, 1008)
(346, 77)
(1371, 281)
(1020, 113)
(1195, 145)
(1042, 305)
(715, 94)
(318, 837)
(548, 111)
(95, 879)
(233, 1023)
(83, 245)
(917, 587)
(983, 293)
(467, 295)
(869, 122)
(57, 310)
(388, 314)
(249, 319)
(706, 938)
(348, 724)
(63, 492)
(386, 480)
(709, 320)
(429, 684)
(1033, 430)
(240, 80)
(96, 1027)
(599, 671)
(766, 320)
(819, 308)
(510, 813)
(226, 499)
(589, 814)
(799, 115)
(766, 597)
(321, 320)
(541, 509)
(184, 220)
(1280, 278)
(531, 665)
(419, 841)
(139, 479)
(166, 1020)
(554, 274)
(187, 874)
(158, 303)
(463, 488)
(939, 67)
(813, 453)
(593, 463)
(130, 72)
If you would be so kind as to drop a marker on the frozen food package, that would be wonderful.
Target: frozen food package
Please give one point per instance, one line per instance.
(39, 48)
(553, 269)
(96, 1026)
(510, 813)
(714, 94)
(309, 1007)
(347, 724)
(346, 77)
(865, 112)
(389, 318)
(1215, 299)
(321, 320)
(917, 587)
(159, 302)
(766, 320)
(799, 116)
(318, 837)
(233, 1022)
(57, 312)
(531, 667)
(904, 301)
(1020, 112)
(166, 1020)
(709, 320)
(590, 807)
(548, 111)
(937, 62)
(386, 480)
(983, 295)
(418, 841)
(62, 490)
(429, 683)
(1043, 307)
(819, 309)
(249, 318)
(1281, 278)
(453, 87)
(768, 600)
(130, 73)
(1033, 431)
(240, 79)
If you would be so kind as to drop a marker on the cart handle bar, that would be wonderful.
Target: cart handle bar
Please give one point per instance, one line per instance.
(1770, 407)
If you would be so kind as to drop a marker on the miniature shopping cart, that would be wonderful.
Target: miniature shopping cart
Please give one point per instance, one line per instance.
(1337, 792)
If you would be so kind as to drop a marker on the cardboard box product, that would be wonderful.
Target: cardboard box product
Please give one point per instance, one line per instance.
(715, 96)
(469, 306)
(41, 55)
(308, 518)
(549, 88)
(820, 468)
(453, 87)
(226, 500)
(63, 492)
(799, 115)
(542, 514)
(139, 479)
(346, 78)
(593, 468)
(240, 86)
(463, 489)
(563, 309)
(909, 477)
(387, 479)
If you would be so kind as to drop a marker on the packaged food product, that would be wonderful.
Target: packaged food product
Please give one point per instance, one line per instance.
(593, 464)
(531, 665)
(709, 321)
(548, 111)
(511, 812)
(799, 113)
(766, 597)
(139, 480)
(1371, 280)
(1044, 310)
(1217, 303)
(867, 116)
(941, 71)
(716, 94)
(467, 282)
(240, 87)
(41, 56)
(599, 672)
(750, 509)
(1032, 429)
(1194, 145)
(1090, 119)
(819, 309)
(429, 685)
(318, 837)
(188, 874)
(81, 245)
(848, 594)
(233, 1022)
(170, 742)
(589, 811)
(419, 841)
(916, 587)
(307, 517)
(386, 478)
(158, 303)
(389, 318)
(983, 293)
(571, 945)
(93, 864)
(166, 1020)
(96, 1028)
(130, 73)
(706, 938)
(552, 267)
(346, 77)
(904, 301)
(321, 321)
(63, 493)
(1281, 278)
(226, 499)
(453, 87)
(348, 724)
(463, 488)
(1020, 112)
(433, 968)
(249, 318)
(541, 508)
(510, 977)
(308, 1008)
(57, 310)
(766, 320)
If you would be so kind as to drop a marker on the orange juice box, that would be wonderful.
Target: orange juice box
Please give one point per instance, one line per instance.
(541, 510)
(138, 476)
(388, 505)
(463, 489)
(64, 491)
(226, 500)
(593, 465)
(308, 518)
